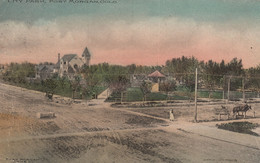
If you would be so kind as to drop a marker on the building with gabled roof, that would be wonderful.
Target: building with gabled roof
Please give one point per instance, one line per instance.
(44, 71)
(156, 76)
(68, 65)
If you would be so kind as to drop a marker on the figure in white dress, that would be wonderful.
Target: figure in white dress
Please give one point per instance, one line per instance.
(171, 115)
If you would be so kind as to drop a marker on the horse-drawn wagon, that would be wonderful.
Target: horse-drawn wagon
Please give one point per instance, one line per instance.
(222, 111)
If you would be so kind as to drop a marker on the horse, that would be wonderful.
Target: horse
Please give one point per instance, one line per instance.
(241, 108)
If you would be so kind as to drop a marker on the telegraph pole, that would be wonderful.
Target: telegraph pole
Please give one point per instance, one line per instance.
(229, 87)
(196, 88)
(243, 85)
(224, 80)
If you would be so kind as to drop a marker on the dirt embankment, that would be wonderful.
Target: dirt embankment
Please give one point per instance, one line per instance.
(82, 132)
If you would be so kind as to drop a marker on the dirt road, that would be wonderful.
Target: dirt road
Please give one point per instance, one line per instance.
(95, 132)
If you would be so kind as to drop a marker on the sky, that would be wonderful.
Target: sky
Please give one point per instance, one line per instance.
(143, 32)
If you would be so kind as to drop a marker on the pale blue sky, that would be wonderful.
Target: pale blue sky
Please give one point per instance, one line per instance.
(199, 10)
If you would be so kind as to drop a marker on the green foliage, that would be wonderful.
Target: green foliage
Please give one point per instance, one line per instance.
(156, 96)
(134, 94)
(17, 73)
(214, 95)
(168, 86)
(94, 79)
(49, 85)
(64, 87)
(183, 69)
(146, 88)
(241, 127)
(210, 77)
(253, 82)
(120, 84)
(182, 65)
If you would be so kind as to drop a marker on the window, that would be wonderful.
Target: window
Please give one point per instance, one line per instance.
(64, 63)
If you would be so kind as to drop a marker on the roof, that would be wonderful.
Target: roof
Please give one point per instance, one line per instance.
(70, 70)
(45, 67)
(57, 65)
(156, 74)
(40, 67)
(86, 53)
(68, 57)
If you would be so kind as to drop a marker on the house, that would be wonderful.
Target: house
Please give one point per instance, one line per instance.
(44, 71)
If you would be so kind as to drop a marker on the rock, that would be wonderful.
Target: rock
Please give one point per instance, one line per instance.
(45, 115)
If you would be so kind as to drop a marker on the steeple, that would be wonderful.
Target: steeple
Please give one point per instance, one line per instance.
(86, 56)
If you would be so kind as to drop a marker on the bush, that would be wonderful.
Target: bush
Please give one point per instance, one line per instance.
(241, 127)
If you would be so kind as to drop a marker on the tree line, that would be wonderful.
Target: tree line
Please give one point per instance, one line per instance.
(212, 75)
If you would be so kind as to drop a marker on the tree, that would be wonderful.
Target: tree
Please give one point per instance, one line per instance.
(235, 68)
(146, 88)
(93, 76)
(17, 73)
(181, 67)
(75, 85)
(49, 87)
(253, 82)
(120, 85)
(211, 77)
(168, 86)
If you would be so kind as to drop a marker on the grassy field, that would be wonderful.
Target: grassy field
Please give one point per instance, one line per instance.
(181, 93)
(135, 94)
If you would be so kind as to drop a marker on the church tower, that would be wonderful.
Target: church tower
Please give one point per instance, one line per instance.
(86, 57)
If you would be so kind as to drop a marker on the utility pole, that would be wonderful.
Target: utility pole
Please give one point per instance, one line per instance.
(196, 88)
(224, 80)
(229, 88)
(243, 85)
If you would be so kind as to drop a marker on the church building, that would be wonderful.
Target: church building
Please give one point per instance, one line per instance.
(68, 65)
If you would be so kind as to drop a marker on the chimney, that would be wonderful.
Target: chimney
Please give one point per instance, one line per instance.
(58, 57)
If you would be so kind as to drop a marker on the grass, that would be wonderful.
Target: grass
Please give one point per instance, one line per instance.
(156, 96)
(135, 94)
(214, 94)
(241, 127)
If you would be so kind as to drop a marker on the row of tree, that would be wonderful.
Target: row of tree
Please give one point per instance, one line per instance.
(212, 75)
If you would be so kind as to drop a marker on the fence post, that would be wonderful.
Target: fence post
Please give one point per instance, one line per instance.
(229, 88)
(243, 85)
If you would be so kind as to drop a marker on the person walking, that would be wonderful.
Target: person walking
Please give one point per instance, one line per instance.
(171, 115)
